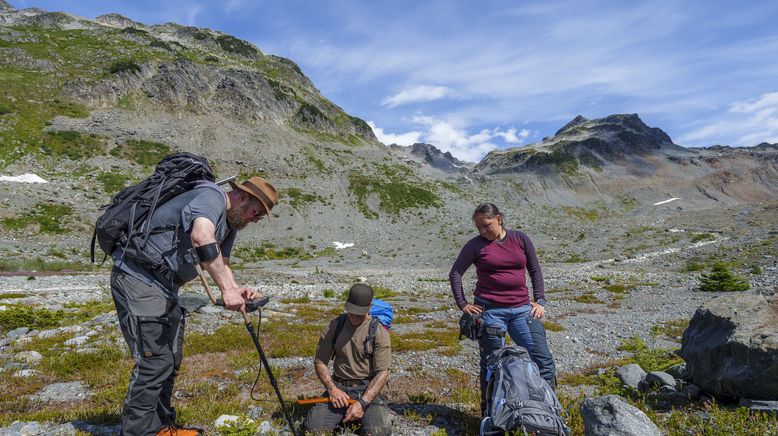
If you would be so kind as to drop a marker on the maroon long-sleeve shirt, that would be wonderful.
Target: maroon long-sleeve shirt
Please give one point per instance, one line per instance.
(501, 267)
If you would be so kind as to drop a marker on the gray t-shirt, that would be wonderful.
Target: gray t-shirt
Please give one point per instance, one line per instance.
(171, 226)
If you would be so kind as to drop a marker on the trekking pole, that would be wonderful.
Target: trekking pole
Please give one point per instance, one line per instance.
(251, 306)
(226, 180)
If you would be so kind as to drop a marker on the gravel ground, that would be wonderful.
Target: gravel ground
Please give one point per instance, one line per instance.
(592, 332)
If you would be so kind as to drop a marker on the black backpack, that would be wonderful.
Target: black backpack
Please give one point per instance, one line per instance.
(518, 398)
(125, 221)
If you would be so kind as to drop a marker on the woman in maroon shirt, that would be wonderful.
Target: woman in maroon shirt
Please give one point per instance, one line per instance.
(502, 259)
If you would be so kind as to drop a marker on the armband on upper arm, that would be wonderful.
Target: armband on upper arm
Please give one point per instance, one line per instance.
(207, 252)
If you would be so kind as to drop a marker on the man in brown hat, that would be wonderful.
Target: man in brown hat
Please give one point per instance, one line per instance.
(198, 225)
(360, 370)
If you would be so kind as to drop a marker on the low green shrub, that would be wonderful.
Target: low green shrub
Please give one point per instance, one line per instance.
(14, 317)
(234, 45)
(297, 198)
(50, 218)
(158, 43)
(617, 288)
(553, 326)
(692, 266)
(72, 144)
(588, 298)
(703, 237)
(112, 181)
(8, 295)
(425, 397)
(143, 152)
(673, 329)
(394, 194)
(721, 280)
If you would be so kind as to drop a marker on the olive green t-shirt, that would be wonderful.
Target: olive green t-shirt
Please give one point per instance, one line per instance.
(350, 360)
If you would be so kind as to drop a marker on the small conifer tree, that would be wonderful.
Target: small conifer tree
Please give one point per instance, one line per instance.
(721, 280)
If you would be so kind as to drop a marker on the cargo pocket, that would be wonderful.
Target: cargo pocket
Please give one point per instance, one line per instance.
(153, 336)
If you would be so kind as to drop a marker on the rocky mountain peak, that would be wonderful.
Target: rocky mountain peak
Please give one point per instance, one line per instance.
(5, 6)
(627, 129)
(116, 20)
(427, 154)
(615, 139)
(578, 120)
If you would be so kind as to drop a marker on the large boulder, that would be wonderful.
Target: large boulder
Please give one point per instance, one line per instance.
(731, 346)
(610, 415)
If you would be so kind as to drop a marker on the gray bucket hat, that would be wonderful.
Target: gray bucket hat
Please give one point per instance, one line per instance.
(360, 298)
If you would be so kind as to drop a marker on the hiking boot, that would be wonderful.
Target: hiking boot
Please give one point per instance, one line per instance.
(172, 430)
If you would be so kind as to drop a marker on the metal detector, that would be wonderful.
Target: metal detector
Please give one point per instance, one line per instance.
(251, 306)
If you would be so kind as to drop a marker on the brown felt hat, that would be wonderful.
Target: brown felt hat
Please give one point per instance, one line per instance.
(360, 297)
(260, 189)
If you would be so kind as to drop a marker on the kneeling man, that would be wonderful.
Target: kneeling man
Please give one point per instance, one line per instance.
(360, 370)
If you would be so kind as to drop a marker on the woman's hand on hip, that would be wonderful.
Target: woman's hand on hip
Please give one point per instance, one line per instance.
(472, 309)
(537, 310)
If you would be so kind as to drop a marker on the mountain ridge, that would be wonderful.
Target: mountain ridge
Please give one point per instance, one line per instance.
(91, 106)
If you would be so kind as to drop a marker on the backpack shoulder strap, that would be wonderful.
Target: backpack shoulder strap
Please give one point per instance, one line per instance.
(338, 328)
(370, 339)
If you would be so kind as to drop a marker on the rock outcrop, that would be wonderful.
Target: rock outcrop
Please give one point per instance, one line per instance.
(731, 346)
(610, 415)
(5, 6)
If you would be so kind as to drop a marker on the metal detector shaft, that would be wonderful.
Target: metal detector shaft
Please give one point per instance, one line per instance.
(252, 306)
(250, 328)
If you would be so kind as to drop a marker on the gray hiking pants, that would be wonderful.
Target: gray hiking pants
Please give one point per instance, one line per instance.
(152, 323)
(323, 418)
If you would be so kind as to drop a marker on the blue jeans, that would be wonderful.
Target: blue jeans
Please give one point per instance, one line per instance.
(512, 320)
(540, 352)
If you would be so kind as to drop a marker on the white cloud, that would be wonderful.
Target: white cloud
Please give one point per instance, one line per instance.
(747, 122)
(512, 135)
(416, 94)
(451, 136)
(408, 138)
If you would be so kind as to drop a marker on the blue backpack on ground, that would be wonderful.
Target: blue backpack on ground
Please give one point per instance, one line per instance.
(518, 398)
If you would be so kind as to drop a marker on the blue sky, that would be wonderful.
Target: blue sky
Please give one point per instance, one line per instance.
(469, 77)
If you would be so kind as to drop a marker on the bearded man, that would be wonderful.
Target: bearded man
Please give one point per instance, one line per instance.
(203, 222)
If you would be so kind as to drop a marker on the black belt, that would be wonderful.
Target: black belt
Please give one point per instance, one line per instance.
(351, 383)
